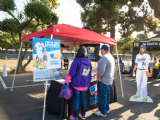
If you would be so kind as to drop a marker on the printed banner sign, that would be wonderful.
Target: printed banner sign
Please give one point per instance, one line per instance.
(91, 54)
(93, 91)
(136, 44)
(46, 59)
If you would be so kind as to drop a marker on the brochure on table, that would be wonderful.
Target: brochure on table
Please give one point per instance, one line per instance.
(46, 59)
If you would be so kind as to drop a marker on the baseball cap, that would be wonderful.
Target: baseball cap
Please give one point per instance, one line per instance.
(143, 46)
(40, 40)
(105, 47)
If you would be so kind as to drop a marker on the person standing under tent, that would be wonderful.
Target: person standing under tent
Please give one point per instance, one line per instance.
(39, 47)
(142, 62)
(80, 71)
(105, 72)
(62, 49)
(66, 63)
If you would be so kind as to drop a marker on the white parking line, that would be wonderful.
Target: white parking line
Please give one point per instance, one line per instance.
(3, 84)
(25, 86)
(5, 87)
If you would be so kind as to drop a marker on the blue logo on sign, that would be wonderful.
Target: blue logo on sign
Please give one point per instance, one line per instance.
(93, 89)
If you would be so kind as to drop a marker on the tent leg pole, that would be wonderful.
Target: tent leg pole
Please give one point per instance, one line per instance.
(119, 73)
(74, 50)
(45, 93)
(16, 67)
(45, 100)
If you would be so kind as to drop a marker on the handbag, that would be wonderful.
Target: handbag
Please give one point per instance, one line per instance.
(66, 91)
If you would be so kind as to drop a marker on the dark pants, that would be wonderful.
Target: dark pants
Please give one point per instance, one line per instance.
(66, 66)
(76, 95)
(103, 96)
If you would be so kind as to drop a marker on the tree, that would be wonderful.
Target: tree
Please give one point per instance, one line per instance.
(154, 4)
(140, 19)
(51, 4)
(125, 44)
(36, 16)
(103, 16)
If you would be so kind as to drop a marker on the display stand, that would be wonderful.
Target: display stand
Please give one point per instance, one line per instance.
(44, 107)
(149, 100)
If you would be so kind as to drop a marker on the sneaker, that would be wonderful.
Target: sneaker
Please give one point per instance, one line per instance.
(107, 111)
(135, 97)
(72, 118)
(83, 117)
(80, 115)
(144, 99)
(97, 112)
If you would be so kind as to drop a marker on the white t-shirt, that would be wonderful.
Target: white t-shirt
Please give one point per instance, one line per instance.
(116, 61)
(39, 46)
(143, 61)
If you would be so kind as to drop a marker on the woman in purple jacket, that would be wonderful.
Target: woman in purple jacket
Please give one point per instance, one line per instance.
(80, 71)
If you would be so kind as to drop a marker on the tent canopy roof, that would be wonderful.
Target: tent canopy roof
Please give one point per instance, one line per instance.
(155, 38)
(70, 35)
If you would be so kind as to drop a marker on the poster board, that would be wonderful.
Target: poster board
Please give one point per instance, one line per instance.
(46, 59)
(93, 52)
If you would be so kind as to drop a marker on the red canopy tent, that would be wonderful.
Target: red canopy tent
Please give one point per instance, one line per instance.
(70, 35)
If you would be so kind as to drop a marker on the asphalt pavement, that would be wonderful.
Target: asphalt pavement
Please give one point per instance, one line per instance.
(25, 102)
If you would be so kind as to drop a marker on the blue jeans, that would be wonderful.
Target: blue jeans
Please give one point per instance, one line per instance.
(76, 95)
(103, 96)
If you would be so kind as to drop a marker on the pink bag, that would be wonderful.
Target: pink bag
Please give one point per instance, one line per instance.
(66, 91)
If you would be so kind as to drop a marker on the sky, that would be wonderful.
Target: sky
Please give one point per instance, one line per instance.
(68, 12)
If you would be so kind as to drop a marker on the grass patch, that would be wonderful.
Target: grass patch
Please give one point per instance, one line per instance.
(21, 70)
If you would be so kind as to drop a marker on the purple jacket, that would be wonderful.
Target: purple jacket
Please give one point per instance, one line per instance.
(80, 71)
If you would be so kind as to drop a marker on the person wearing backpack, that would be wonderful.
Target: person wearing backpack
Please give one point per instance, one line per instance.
(80, 71)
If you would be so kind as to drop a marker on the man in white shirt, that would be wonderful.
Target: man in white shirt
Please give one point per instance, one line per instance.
(39, 47)
(142, 62)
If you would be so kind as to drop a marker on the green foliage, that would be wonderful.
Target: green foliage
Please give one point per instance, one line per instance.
(70, 49)
(139, 19)
(154, 4)
(51, 4)
(7, 5)
(38, 10)
(12, 70)
(37, 15)
(102, 16)
(141, 37)
(21, 69)
(9, 25)
(125, 45)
